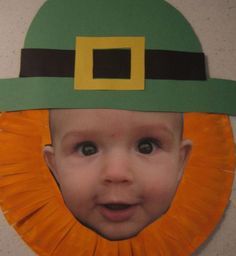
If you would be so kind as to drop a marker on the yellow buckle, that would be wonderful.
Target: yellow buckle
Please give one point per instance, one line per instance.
(84, 63)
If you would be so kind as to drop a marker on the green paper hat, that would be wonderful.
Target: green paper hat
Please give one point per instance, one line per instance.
(126, 54)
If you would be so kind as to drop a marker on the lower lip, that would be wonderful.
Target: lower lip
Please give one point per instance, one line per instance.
(118, 215)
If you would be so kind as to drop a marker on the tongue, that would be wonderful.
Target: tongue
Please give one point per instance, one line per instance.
(116, 207)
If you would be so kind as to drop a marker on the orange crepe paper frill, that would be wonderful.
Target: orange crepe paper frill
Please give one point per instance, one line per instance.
(32, 203)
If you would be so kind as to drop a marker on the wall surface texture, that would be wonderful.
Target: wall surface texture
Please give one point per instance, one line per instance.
(214, 21)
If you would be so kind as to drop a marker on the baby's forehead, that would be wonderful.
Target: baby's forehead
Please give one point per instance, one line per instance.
(61, 117)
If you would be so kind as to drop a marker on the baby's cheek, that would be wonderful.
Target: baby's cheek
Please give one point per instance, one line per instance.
(161, 187)
(76, 185)
(75, 197)
(157, 192)
(158, 199)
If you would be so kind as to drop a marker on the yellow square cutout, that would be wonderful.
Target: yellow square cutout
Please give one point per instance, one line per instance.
(84, 63)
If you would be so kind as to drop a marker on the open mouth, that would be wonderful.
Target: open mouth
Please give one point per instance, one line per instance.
(118, 212)
(117, 207)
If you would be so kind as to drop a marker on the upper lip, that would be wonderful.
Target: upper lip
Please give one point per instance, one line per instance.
(118, 199)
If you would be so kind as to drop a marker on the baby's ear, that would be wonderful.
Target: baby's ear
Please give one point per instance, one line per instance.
(49, 157)
(185, 150)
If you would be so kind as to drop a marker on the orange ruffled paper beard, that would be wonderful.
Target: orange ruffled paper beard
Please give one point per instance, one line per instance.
(29, 196)
(32, 202)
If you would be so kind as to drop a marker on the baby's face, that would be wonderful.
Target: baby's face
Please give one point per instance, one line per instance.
(118, 170)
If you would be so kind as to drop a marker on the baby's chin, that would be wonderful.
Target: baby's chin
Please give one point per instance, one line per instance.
(118, 232)
(116, 235)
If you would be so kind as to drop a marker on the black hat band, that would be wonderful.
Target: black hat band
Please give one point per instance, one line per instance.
(114, 63)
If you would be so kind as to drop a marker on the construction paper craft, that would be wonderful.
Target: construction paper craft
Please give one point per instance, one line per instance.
(29, 195)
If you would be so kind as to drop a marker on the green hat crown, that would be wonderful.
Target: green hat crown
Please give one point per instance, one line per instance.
(160, 24)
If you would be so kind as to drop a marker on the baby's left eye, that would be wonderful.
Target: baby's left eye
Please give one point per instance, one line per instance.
(147, 146)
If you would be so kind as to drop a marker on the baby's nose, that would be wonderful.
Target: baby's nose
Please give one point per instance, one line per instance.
(117, 168)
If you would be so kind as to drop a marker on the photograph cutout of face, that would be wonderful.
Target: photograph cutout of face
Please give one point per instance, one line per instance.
(117, 170)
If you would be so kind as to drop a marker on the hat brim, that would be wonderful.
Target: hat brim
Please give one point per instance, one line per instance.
(212, 96)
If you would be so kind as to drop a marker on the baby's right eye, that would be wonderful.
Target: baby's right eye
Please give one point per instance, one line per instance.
(87, 148)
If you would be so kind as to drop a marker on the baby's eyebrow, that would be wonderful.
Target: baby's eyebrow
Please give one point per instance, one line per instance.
(77, 133)
(156, 128)
(139, 130)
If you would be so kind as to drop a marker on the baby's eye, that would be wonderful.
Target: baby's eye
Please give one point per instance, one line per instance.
(87, 148)
(147, 146)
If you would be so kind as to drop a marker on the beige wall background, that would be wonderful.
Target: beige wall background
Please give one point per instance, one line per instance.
(215, 24)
